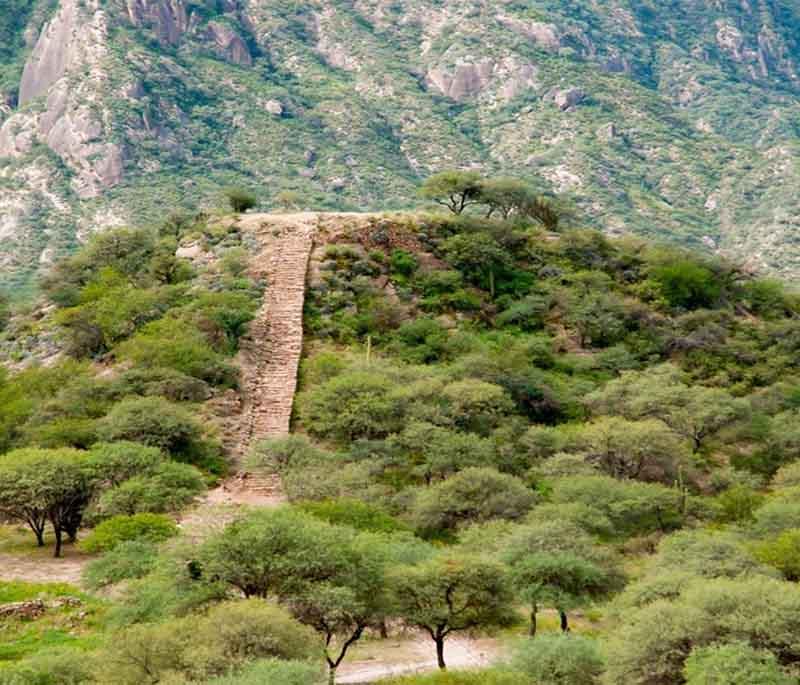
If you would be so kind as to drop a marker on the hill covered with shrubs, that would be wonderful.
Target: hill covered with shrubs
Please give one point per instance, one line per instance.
(586, 446)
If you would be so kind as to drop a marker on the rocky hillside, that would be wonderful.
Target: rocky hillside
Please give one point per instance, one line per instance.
(674, 119)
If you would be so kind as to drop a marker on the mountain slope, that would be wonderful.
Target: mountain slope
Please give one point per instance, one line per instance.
(672, 119)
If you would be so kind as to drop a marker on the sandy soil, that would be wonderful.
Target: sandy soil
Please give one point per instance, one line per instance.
(221, 506)
(394, 657)
(43, 569)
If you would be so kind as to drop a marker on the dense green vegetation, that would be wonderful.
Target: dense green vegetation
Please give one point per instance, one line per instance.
(587, 446)
(81, 446)
(682, 126)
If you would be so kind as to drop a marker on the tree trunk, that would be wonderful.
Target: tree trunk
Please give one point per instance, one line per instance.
(491, 283)
(440, 653)
(564, 621)
(384, 629)
(58, 541)
(533, 626)
(331, 675)
(38, 531)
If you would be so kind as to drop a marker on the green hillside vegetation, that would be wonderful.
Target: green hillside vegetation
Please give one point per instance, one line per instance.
(676, 121)
(586, 446)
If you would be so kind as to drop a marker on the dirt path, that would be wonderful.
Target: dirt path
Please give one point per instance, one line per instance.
(404, 657)
(36, 568)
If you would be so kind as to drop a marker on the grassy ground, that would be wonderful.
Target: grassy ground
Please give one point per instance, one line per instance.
(70, 618)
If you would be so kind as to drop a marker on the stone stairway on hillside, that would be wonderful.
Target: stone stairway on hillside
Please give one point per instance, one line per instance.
(270, 352)
(269, 357)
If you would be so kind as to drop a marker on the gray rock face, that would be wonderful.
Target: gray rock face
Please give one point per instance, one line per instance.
(53, 54)
(566, 99)
(464, 81)
(168, 18)
(274, 107)
(70, 124)
(546, 36)
(228, 44)
(608, 132)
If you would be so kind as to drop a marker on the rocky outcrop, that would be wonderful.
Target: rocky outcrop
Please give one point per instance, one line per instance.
(228, 44)
(545, 36)
(765, 55)
(274, 107)
(169, 19)
(72, 123)
(566, 99)
(72, 40)
(462, 81)
(465, 80)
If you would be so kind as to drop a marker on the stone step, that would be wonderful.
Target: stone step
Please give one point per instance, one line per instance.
(270, 351)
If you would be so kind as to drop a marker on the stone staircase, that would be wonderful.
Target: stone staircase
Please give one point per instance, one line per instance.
(270, 352)
(272, 348)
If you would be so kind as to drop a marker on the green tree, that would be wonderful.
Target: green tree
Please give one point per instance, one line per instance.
(240, 199)
(357, 404)
(645, 449)
(471, 496)
(505, 196)
(455, 190)
(126, 561)
(737, 504)
(735, 663)
(695, 412)
(222, 317)
(355, 514)
(479, 256)
(115, 462)
(50, 666)
(340, 608)
(38, 486)
(559, 660)
(422, 341)
(783, 553)
(169, 487)
(556, 563)
(779, 514)
(653, 643)
(330, 578)
(634, 508)
(155, 422)
(561, 580)
(177, 344)
(436, 453)
(708, 553)
(198, 647)
(687, 284)
(449, 594)
(599, 318)
(768, 297)
(118, 529)
(476, 405)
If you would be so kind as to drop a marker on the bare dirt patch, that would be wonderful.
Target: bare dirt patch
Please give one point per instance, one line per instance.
(44, 569)
(376, 660)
